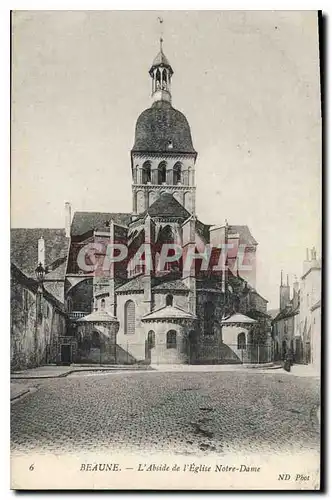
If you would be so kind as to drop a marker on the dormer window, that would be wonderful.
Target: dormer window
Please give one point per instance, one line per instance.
(170, 144)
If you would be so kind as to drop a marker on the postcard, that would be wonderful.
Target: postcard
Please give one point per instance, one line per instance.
(166, 250)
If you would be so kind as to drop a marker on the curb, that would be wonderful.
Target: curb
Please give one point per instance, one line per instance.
(62, 375)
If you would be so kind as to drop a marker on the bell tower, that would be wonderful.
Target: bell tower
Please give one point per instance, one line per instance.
(163, 157)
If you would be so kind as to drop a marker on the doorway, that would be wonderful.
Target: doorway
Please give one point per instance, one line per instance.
(65, 354)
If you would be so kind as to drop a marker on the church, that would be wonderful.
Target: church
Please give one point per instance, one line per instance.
(131, 312)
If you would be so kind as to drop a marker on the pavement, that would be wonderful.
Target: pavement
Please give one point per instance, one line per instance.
(153, 411)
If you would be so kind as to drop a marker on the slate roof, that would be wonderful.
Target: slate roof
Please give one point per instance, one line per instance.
(161, 125)
(24, 249)
(167, 206)
(83, 222)
(168, 312)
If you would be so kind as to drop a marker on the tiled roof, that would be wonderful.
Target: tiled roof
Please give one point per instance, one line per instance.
(166, 205)
(84, 222)
(288, 312)
(168, 312)
(57, 289)
(24, 248)
(170, 285)
(134, 285)
(98, 317)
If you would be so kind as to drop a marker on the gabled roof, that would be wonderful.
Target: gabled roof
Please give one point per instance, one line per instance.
(24, 249)
(168, 312)
(166, 205)
(83, 222)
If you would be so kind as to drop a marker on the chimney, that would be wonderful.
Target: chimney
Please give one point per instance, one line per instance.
(41, 252)
(67, 218)
(284, 293)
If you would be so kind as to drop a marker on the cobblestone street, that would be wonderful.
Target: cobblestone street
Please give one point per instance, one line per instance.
(186, 413)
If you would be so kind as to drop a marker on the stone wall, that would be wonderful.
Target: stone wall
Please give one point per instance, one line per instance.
(32, 333)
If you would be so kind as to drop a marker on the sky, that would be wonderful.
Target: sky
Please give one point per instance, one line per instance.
(248, 83)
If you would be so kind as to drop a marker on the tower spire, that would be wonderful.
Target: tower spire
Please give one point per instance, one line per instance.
(161, 72)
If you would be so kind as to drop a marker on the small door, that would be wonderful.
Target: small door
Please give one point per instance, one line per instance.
(66, 354)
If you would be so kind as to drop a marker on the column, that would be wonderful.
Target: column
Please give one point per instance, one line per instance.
(169, 176)
(154, 174)
(134, 202)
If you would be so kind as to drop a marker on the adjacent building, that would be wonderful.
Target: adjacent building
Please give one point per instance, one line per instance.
(296, 329)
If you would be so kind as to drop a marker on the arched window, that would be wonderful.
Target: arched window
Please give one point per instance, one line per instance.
(151, 339)
(129, 315)
(169, 300)
(209, 312)
(164, 83)
(177, 173)
(69, 304)
(241, 341)
(171, 339)
(158, 79)
(102, 304)
(95, 340)
(162, 172)
(146, 172)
